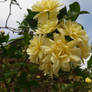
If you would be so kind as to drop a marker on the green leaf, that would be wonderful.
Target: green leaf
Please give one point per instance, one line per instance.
(26, 38)
(30, 12)
(80, 72)
(62, 13)
(29, 20)
(84, 12)
(75, 7)
(66, 87)
(33, 68)
(72, 16)
(55, 87)
(89, 64)
(74, 11)
(6, 38)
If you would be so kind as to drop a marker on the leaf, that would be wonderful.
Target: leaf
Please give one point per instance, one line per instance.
(72, 16)
(62, 13)
(29, 21)
(26, 38)
(89, 63)
(33, 68)
(75, 7)
(80, 72)
(74, 11)
(30, 12)
(6, 38)
(84, 12)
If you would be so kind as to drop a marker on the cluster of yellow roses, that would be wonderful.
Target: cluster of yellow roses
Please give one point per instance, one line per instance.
(57, 53)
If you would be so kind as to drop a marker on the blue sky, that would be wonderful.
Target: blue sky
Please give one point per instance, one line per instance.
(17, 15)
(86, 20)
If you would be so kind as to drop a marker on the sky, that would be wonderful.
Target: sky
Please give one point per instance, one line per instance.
(18, 15)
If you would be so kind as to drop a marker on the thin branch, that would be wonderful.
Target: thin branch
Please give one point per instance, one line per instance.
(9, 14)
(14, 30)
(12, 2)
(3, 1)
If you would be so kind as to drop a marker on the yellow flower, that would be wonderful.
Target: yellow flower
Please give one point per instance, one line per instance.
(59, 55)
(45, 5)
(46, 65)
(56, 54)
(47, 23)
(2, 32)
(88, 80)
(34, 49)
(90, 90)
(75, 31)
(38, 77)
(44, 17)
(47, 16)
(47, 27)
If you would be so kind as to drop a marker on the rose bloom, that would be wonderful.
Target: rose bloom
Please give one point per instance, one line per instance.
(45, 5)
(47, 27)
(88, 80)
(59, 55)
(75, 31)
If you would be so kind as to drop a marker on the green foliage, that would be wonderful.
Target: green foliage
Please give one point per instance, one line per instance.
(89, 63)
(26, 38)
(29, 21)
(80, 72)
(62, 13)
(72, 13)
(4, 38)
(19, 76)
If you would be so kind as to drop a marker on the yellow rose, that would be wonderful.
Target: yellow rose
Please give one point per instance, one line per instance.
(59, 55)
(34, 50)
(75, 31)
(47, 9)
(45, 5)
(88, 80)
(47, 27)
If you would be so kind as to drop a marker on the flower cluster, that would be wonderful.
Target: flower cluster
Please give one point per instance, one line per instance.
(69, 43)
